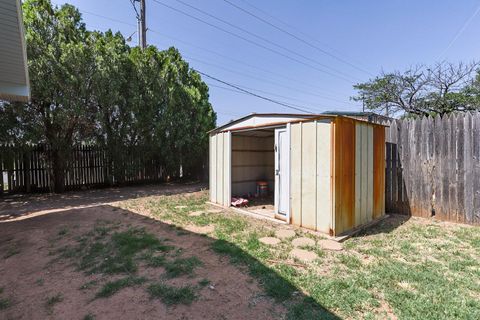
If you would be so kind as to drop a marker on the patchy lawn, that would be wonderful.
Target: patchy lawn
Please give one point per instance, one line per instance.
(173, 257)
(401, 268)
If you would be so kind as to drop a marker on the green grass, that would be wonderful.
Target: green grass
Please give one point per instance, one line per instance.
(88, 285)
(181, 266)
(172, 295)
(40, 282)
(11, 251)
(204, 282)
(89, 317)
(101, 251)
(413, 269)
(5, 303)
(155, 261)
(53, 300)
(62, 232)
(108, 251)
(350, 261)
(112, 287)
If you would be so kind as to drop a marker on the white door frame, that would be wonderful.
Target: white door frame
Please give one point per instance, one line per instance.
(286, 173)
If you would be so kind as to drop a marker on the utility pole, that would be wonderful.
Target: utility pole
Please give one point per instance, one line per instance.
(141, 23)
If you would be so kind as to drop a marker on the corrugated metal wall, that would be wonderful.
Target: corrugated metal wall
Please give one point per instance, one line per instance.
(359, 173)
(363, 173)
(310, 175)
(220, 172)
(344, 175)
(378, 171)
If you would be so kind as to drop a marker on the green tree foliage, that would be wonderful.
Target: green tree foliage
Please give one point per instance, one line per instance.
(92, 87)
(422, 91)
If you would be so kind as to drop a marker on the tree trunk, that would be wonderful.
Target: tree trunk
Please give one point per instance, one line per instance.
(58, 169)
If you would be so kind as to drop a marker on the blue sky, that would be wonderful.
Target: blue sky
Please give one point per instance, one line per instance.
(361, 38)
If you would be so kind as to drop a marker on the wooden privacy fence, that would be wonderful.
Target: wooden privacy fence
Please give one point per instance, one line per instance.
(29, 169)
(433, 167)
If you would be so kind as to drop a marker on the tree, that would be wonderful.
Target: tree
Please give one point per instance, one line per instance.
(111, 94)
(90, 87)
(188, 106)
(421, 91)
(60, 67)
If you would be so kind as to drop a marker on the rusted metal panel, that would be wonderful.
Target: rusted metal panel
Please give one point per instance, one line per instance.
(358, 174)
(378, 172)
(369, 177)
(344, 174)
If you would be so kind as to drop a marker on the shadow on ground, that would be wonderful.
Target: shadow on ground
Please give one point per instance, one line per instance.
(244, 288)
(15, 206)
(386, 225)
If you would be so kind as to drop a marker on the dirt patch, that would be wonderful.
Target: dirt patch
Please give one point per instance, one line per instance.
(41, 285)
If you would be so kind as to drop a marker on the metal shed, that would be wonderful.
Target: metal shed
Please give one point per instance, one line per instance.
(325, 172)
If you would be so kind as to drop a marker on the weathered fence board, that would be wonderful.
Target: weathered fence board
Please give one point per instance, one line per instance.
(29, 169)
(433, 167)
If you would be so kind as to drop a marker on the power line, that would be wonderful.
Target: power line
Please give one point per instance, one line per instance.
(250, 41)
(330, 97)
(238, 88)
(108, 18)
(263, 38)
(295, 28)
(271, 94)
(244, 93)
(252, 93)
(265, 80)
(461, 30)
(244, 63)
(296, 37)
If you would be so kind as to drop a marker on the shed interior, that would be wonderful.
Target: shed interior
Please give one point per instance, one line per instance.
(253, 160)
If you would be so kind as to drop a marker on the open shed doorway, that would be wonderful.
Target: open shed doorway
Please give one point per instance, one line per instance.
(255, 164)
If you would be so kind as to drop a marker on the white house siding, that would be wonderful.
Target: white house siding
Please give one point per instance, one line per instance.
(13, 60)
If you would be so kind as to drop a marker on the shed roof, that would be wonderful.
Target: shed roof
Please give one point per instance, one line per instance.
(277, 119)
(14, 83)
(266, 118)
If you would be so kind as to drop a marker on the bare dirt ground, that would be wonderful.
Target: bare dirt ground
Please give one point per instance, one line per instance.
(13, 207)
(161, 252)
(38, 283)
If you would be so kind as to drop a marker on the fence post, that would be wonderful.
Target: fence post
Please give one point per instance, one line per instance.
(1, 170)
(26, 168)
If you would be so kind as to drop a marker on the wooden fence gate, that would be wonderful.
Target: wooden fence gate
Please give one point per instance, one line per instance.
(433, 167)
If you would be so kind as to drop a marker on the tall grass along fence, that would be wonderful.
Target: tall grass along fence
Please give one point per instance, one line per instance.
(433, 167)
(29, 169)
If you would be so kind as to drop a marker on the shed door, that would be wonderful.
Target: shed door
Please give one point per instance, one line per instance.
(282, 156)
